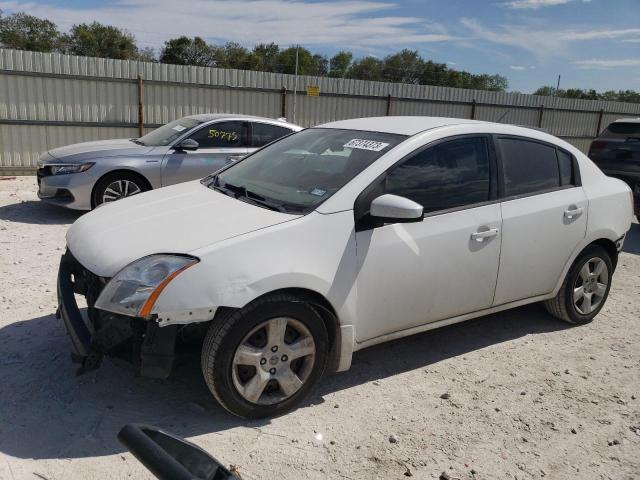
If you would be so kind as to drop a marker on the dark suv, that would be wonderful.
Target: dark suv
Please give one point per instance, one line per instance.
(617, 152)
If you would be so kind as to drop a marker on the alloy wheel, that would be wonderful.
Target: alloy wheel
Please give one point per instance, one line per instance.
(120, 189)
(591, 285)
(273, 361)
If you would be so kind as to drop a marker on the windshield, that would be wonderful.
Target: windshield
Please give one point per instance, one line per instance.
(299, 172)
(166, 134)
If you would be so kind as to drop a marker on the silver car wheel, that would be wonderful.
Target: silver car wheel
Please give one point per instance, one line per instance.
(273, 361)
(119, 189)
(591, 285)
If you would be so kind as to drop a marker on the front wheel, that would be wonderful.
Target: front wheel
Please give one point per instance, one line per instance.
(262, 360)
(118, 185)
(585, 288)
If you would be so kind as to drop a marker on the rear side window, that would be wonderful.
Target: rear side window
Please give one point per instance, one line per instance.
(565, 165)
(528, 167)
(222, 135)
(263, 133)
(622, 130)
(448, 175)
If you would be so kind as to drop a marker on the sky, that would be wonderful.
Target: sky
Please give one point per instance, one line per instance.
(590, 43)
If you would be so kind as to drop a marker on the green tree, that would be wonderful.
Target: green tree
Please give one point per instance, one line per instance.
(339, 64)
(188, 51)
(26, 32)
(98, 40)
(234, 55)
(319, 66)
(367, 68)
(287, 61)
(147, 54)
(265, 57)
(403, 67)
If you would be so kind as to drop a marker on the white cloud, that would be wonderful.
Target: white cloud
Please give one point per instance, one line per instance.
(607, 63)
(603, 34)
(535, 4)
(343, 23)
(544, 43)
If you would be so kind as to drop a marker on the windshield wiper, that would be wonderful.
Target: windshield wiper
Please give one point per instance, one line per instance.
(242, 193)
(137, 141)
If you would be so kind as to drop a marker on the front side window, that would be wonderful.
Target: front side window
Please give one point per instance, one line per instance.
(263, 133)
(528, 167)
(222, 135)
(449, 175)
(298, 172)
(167, 134)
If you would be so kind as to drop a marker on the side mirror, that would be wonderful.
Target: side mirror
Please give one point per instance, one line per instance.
(187, 144)
(169, 457)
(396, 209)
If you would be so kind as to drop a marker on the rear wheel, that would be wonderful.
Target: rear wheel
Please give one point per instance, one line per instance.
(262, 360)
(118, 185)
(585, 288)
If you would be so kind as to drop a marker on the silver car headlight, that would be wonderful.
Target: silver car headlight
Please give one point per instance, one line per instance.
(64, 169)
(134, 289)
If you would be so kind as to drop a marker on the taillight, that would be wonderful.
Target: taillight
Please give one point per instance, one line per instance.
(597, 145)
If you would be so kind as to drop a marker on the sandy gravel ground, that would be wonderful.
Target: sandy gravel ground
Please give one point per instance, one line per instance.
(527, 396)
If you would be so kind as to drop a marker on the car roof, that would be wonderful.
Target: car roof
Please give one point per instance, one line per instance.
(627, 120)
(409, 125)
(207, 117)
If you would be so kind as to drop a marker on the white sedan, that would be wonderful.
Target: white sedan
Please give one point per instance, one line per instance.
(336, 238)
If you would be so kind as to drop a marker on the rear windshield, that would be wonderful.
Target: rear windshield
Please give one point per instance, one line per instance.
(166, 134)
(622, 130)
(297, 173)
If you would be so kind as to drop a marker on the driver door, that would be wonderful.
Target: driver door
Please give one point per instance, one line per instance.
(219, 144)
(410, 274)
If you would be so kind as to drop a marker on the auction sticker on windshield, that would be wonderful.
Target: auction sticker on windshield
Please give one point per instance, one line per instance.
(365, 144)
(179, 128)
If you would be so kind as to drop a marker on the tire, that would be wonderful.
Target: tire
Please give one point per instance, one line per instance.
(130, 184)
(590, 291)
(238, 353)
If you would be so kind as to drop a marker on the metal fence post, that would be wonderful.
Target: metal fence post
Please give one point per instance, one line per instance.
(388, 105)
(473, 109)
(283, 102)
(600, 115)
(140, 107)
(540, 116)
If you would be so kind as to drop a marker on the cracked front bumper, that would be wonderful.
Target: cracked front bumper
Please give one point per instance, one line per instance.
(99, 333)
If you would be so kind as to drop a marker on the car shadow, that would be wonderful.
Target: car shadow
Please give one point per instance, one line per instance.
(49, 412)
(38, 213)
(632, 240)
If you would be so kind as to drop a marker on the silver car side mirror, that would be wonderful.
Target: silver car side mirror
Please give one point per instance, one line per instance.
(395, 209)
(187, 144)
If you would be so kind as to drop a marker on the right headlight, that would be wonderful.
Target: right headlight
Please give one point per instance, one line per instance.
(134, 289)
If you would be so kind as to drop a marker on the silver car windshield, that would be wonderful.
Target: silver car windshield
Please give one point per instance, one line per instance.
(300, 171)
(166, 134)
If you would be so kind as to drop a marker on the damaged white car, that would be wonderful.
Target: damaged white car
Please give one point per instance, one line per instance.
(336, 238)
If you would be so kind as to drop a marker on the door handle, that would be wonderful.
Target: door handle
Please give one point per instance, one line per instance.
(573, 212)
(235, 158)
(480, 236)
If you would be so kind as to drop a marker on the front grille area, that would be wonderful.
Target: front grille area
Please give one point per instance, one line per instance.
(89, 285)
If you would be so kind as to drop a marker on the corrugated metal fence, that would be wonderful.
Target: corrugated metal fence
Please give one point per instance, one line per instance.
(49, 100)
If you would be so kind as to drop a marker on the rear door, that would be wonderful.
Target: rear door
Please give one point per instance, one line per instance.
(219, 144)
(544, 216)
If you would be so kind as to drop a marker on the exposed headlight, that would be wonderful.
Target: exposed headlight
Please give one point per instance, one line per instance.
(135, 288)
(64, 169)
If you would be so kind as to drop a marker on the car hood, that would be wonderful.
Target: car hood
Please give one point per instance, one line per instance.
(80, 152)
(176, 219)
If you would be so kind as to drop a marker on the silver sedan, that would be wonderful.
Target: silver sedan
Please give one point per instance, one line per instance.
(85, 175)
